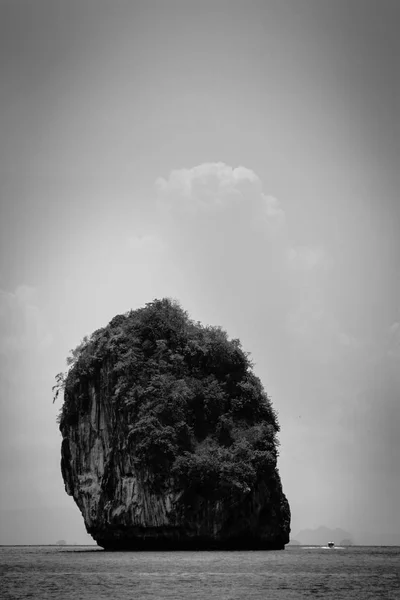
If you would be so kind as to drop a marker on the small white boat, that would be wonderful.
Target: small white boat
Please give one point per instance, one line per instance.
(331, 544)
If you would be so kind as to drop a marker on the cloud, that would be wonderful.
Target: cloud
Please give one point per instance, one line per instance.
(22, 323)
(232, 242)
(216, 187)
(272, 209)
(211, 185)
(227, 239)
(217, 204)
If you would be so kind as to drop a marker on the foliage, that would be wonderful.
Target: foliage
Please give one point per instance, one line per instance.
(193, 408)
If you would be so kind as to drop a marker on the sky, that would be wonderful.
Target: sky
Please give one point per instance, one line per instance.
(241, 157)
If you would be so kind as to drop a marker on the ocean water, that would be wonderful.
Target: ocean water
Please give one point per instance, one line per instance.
(83, 572)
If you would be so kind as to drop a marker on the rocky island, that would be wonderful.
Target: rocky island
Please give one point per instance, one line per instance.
(169, 439)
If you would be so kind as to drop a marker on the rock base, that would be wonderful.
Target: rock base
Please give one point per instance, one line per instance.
(189, 544)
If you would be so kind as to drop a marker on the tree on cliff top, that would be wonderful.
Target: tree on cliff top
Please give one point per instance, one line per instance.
(193, 408)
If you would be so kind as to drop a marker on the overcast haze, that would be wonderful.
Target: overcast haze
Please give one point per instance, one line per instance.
(241, 157)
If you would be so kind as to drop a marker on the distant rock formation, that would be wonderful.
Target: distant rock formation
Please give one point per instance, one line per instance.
(169, 440)
(368, 538)
(346, 542)
(294, 543)
(61, 543)
(322, 535)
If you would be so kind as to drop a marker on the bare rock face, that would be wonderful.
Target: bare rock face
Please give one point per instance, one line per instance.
(169, 441)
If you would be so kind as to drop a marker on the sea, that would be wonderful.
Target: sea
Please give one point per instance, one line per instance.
(88, 572)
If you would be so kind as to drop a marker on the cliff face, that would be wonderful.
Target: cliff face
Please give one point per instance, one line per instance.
(187, 477)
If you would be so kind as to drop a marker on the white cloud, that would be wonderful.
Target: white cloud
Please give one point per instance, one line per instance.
(232, 241)
(215, 177)
(225, 236)
(213, 187)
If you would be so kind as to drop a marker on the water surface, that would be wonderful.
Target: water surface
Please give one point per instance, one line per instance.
(83, 572)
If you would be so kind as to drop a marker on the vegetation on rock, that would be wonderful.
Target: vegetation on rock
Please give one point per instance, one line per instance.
(196, 413)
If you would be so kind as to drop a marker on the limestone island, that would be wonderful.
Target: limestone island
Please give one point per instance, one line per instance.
(169, 440)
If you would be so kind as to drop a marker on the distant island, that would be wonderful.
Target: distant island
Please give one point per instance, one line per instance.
(169, 439)
(322, 535)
